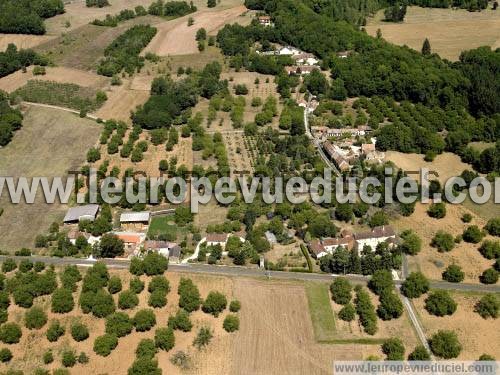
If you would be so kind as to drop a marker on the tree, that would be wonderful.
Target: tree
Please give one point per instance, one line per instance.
(381, 282)
(415, 285)
(146, 348)
(55, 331)
(180, 321)
(493, 227)
(105, 344)
(489, 276)
(5, 355)
(136, 285)
(394, 349)
(114, 284)
(127, 300)
(93, 155)
(344, 212)
(164, 338)
(62, 301)
(79, 332)
(348, 312)
(443, 241)
(453, 274)
(157, 299)
(154, 264)
(231, 323)
(420, 353)
(211, 3)
(35, 318)
(437, 210)
(488, 306)
(189, 296)
(68, 358)
(390, 306)
(490, 249)
(440, 303)
(111, 246)
(412, 244)
(144, 320)
(235, 306)
(10, 333)
(9, 265)
(214, 304)
(103, 304)
(445, 344)
(378, 219)
(473, 234)
(118, 324)
(159, 283)
(136, 266)
(48, 357)
(144, 366)
(426, 47)
(203, 337)
(341, 290)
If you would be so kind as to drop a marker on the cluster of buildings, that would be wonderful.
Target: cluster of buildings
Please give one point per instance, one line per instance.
(354, 241)
(133, 229)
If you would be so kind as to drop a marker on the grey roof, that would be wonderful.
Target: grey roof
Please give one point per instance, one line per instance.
(135, 217)
(174, 252)
(271, 238)
(88, 212)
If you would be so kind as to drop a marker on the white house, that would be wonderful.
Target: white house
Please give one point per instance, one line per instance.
(214, 239)
(289, 50)
(374, 237)
(305, 59)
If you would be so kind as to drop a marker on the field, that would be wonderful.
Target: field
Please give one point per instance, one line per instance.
(449, 31)
(22, 40)
(50, 143)
(477, 335)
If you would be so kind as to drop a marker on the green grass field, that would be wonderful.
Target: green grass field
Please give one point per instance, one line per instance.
(323, 320)
(162, 227)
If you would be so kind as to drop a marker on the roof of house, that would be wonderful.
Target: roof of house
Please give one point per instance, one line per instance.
(132, 238)
(303, 56)
(316, 247)
(135, 217)
(174, 252)
(347, 242)
(367, 148)
(156, 245)
(75, 213)
(265, 18)
(377, 232)
(217, 237)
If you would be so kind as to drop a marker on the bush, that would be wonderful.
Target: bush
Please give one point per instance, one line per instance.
(440, 303)
(490, 276)
(118, 324)
(159, 283)
(453, 274)
(48, 357)
(114, 285)
(144, 365)
(10, 333)
(154, 264)
(231, 323)
(347, 312)
(341, 291)
(203, 337)
(488, 306)
(22, 296)
(214, 304)
(366, 311)
(104, 345)
(493, 227)
(83, 358)
(104, 304)
(136, 267)
(4, 300)
(165, 338)
(390, 306)
(136, 285)
(473, 234)
(412, 244)
(55, 331)
(189, 296)
(490, 249)
(445, 344)
(70, 276)
(25, 265)
(394, 349)
(144, 320)
(157, 299)
(35, 318)
(5, 355)
(486, 357)
(146, 348)
(68, 358)
(443, 241)
(466, 218)
(127, 300)
(415, 285)
(62, 301)
(381, 282)
(79, 332)
(437, 210)
(420, 353)
(234, 306)
(4, 316)
(9, 265)
(180, 321)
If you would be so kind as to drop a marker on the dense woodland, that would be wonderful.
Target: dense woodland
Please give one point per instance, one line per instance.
(26, 16)
(10, 120)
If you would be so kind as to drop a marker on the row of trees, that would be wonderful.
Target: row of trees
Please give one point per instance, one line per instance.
(10, 120)
(12, 59)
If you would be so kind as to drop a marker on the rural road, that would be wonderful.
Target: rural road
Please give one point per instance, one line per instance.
(57, 107)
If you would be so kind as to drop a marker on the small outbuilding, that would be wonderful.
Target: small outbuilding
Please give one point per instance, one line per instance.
(81, 213)
(135, 220)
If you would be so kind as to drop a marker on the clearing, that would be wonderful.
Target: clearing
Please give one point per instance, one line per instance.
(22, 40)
(450, 31)
(50, 143)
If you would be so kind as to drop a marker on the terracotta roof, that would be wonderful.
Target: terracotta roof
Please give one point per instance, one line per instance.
(217, 237)
(377, 232)
(129, 238)
(316, 247)
(366, 148)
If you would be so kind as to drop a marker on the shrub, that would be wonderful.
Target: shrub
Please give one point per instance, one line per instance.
(48, 357)
(415, 285)
(83, 358)
(22, 296)
(390, 306)
(437, 210)
(157, 299)
(347, 312)
(445, 344)
(381, 282)
(25, 265)
(420, 353)
(394, 349)
(490, 276)
(214, 304)
(412, 244)
(119, 324)
(68, 358)
(203, 337)
(146, 348)
(4, 300)
(114, 285)
(55, 331)
(493, 227)
(144, 365)
(466, 218)
(62, 301)
(486, 357)
(154, 264)
(159, 283)
(9, 265)
(144, 320)
(70, 276)
(180, 321)
(165, 338)
(136, 285)
(5, 355)
(473, 234)
(104, 345)
(39, 266)
(488, 306)
(440, 303)
(231, 323)
(234, 306)
(366, 311)
(136, 267)
(104, 304)
(35, 318)
(453, 274)
(189, 296)
(127, 300)
(10, 333)
(341, 291)
(4, 316)
(443, 241)
(79, 332)
(490, 249)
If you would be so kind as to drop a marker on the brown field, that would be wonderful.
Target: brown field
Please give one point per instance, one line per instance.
(50, 143)
(477, 335)
(210, 213)
(447, 165)
(431, 262)
(23, 41)
(177, 38)
(121, 101)
(18, 79)
(449, 31)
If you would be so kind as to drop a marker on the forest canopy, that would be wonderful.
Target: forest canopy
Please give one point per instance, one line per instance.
(26, 16)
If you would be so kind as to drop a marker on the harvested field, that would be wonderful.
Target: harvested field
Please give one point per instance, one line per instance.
(431, 262)
(477, 335)
(23, 41)
(121, 101)
(450, 31)
(50, 143)
(82, 78)
(177, 38)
